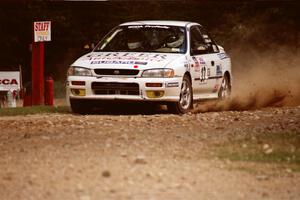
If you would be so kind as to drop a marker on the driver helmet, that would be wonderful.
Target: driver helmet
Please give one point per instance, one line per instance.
(175, 40)
(134, 41)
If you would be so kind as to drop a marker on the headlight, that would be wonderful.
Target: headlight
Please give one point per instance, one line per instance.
(79, 71)
(158, 73)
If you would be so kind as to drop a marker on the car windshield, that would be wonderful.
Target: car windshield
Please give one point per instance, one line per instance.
(145, 38)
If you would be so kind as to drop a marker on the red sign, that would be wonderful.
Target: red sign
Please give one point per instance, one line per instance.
(42, 31)
(9, 82)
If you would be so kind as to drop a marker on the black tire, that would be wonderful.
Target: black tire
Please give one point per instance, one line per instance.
(185, 102)
(225, 89)
(80, 106)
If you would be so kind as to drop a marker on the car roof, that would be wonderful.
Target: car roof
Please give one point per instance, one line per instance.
(159, 22)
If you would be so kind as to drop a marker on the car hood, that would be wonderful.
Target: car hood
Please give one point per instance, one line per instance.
(125, 60)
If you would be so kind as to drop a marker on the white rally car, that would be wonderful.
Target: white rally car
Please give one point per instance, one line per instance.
(169, 62)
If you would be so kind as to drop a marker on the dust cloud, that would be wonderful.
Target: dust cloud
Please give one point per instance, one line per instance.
(268, 79)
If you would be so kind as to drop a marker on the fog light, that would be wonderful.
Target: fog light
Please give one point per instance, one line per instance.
(155, 94)
(154, 84)
(78, 92)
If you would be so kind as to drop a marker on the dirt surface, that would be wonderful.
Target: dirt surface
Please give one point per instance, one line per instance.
(138, 156)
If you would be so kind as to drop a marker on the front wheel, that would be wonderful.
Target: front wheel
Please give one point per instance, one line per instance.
(185, 102)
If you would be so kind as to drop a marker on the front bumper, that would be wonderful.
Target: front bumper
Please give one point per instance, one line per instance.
(170, 88)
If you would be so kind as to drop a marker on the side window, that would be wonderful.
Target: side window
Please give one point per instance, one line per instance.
(209, 42)
(197, 42)
(201, 42)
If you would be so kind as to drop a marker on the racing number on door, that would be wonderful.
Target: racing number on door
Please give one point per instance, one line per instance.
(203, 74)
(200, 69)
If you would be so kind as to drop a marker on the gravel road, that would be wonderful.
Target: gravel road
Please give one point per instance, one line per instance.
(141, 156)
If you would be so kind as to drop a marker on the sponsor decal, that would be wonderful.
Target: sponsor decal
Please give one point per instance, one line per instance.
(197, 64)
(223, 56)
(148, 26)
(143, 58)
(140, 63)
(200, 69)
(172, 84)
(119, 62)
(202, 61)
(112, 62)
(136, 26)
(219, 70)
(156, 26)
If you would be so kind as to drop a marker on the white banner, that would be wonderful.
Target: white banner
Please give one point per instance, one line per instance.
(42, 31)
(10, 80)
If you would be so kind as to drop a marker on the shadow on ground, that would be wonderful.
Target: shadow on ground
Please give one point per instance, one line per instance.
(129, 109)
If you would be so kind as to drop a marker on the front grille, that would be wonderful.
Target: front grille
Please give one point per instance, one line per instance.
(108, 88)
(116, 72)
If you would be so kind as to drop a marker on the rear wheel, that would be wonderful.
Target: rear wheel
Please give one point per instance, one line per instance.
(225, 89)
(185, 102)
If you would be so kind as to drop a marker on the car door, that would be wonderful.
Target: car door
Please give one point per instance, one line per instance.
(203, 60)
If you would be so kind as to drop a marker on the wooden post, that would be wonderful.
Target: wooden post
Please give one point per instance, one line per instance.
(37, 73)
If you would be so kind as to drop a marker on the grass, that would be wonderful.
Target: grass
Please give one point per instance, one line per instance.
(280, 148)
(59, 93)
(59, 89)
(33, 110)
